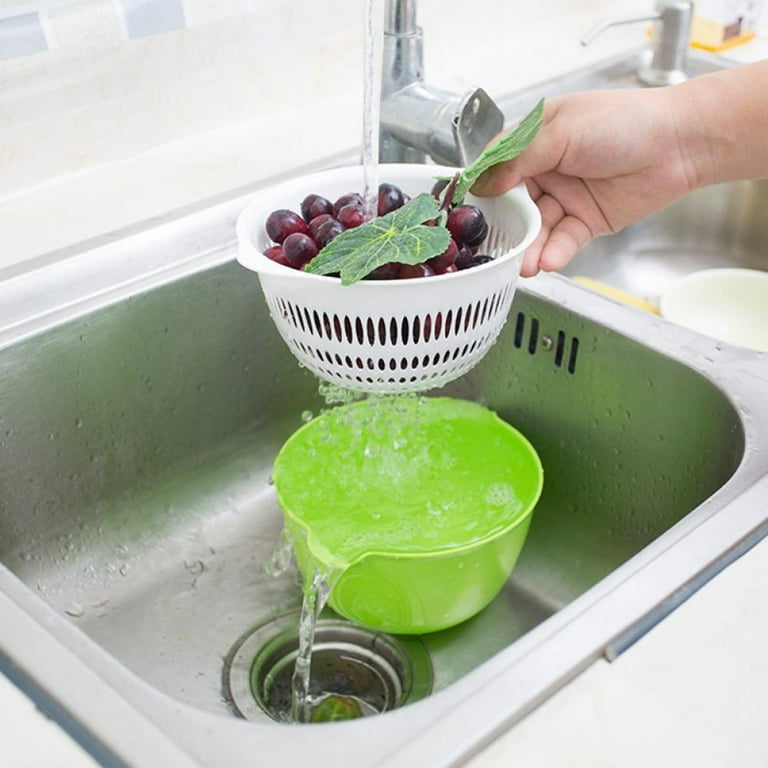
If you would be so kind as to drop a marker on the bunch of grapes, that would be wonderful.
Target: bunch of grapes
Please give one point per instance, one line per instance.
(299, 237)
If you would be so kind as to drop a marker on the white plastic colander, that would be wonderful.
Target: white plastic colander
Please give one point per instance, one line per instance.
(389, 336)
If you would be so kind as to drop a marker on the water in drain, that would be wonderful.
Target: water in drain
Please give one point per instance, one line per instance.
(346, 683)
(355, 672)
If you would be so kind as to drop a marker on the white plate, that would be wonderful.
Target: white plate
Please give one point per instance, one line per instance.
(727, 304)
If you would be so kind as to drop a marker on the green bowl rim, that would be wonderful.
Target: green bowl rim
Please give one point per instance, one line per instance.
(516, 520)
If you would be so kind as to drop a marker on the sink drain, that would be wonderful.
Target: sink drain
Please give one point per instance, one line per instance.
(355, 671)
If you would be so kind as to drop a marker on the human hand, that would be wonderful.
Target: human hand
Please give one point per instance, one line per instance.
(600, 161)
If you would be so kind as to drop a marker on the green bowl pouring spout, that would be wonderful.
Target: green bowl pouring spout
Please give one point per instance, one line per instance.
(417, 507)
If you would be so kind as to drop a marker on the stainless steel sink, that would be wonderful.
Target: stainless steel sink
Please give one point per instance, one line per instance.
(143, 396)
(719, 226)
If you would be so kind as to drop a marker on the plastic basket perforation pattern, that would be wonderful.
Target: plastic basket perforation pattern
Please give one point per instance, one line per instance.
(390, 335)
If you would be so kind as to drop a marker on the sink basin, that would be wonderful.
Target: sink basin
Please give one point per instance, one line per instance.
(144, 394)
(718, 226)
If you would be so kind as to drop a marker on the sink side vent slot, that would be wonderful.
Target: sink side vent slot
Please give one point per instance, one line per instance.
(528, 336)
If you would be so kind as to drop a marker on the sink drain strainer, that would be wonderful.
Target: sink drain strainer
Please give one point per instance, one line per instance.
(377, 672)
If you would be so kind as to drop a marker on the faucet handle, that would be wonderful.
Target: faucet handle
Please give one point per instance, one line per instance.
(475, 121)
(450, 128)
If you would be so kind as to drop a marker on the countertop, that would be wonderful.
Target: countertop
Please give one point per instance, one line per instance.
(139, 129)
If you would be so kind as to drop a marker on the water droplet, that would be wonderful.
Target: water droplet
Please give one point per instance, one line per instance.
(78, 423)
(307, 416)
(195, 568)
(75, 610)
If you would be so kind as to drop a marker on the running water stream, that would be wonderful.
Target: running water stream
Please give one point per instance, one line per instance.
(373, 47)
(317, 588)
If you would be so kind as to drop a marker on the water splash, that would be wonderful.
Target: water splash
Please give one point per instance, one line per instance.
(335, 394)
(282, 555)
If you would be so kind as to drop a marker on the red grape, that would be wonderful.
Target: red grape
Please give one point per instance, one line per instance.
(474, 260)
(446, 258)
(350, 197)
(415, 270)
(326, 232)
(299, 249)
(388, 271)
(467, 225)
(275, 253)
(351, 215)
(313, 205)
(282, 223)
(463, 257)
(390, 199)
(318, 222)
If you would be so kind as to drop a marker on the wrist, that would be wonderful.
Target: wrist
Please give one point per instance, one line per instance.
(722, 120)
(690, 109)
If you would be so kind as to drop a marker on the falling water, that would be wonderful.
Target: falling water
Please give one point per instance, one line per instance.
(282, 556)
(372, 67)
(317, 587)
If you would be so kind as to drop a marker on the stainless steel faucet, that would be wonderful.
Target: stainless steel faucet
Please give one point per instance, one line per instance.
(671, 35)
(418, 120)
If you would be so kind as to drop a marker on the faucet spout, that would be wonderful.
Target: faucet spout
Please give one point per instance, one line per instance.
(418, 120)
(615, 21)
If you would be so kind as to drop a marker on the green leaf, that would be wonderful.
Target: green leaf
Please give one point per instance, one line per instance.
(400, 236)
(506, 148)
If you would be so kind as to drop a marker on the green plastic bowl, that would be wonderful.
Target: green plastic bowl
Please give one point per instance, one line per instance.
(416, 508)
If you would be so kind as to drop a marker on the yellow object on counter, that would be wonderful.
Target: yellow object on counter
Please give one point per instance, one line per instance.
(617, 293)
(721, 24)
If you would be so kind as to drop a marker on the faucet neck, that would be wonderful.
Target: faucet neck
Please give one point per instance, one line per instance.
(400, 17)
(417, 119)
(403, 52)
